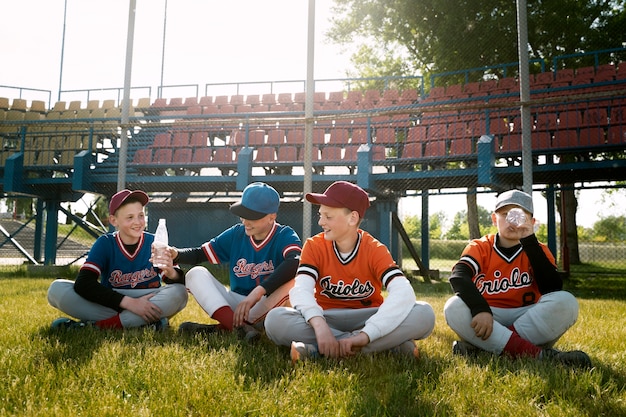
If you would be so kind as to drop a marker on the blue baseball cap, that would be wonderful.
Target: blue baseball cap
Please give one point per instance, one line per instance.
(257, 201)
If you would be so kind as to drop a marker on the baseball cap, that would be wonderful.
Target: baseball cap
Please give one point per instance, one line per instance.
(121, 196)
(342, 194)
(258, 200)
(516, 198)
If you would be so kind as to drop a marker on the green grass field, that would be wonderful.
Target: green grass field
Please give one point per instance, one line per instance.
(141, 373)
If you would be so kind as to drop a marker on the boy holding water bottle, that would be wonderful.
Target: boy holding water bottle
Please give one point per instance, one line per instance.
(509, 297)
(118, 286)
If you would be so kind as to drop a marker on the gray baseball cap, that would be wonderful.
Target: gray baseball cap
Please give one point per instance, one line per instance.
(517, 198)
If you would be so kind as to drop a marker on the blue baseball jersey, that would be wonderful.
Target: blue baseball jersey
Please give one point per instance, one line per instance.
(119, 269)
(251, 262)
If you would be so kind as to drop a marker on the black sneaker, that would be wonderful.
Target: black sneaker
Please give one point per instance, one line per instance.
(576, 358)
(248, 334)
(463, 348)
(192, 328)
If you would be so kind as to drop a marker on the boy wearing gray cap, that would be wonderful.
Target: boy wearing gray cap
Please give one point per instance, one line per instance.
(509, 295)
(263, 257)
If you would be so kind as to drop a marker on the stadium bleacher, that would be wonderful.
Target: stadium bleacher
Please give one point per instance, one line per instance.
(390, 140)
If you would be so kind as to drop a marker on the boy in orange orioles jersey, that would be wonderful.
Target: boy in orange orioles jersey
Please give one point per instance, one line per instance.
(338, 307)
(509, 296)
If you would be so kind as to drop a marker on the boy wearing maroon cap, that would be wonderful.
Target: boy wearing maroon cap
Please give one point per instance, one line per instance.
(338, 306)
(117, 286)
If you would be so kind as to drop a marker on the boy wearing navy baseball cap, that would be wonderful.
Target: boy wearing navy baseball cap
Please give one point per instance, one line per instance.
(509, 295)
(262, 256)
(338, 306)
(117, 286)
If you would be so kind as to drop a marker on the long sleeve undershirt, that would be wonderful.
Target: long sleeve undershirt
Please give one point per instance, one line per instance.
(544, 273)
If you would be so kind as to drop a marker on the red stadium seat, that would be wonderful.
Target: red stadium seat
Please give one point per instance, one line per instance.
(284, 98)
(339, 136)
(386, 135)
(142, 156)
(182, 156)
(198, 139)
(253, 100)
(205, 100)
(162, 140)
(417, 134)
(592, 136)
(617, 135)
(265, 154)
(223, 155)
(162, 156)
(435, 148)
(180, 139)
(461, 146)
(565, 139)
(275, 137)
(412, 150)
(202, 156)
(268, 99)
(335, 97)
(570, 119)
(408, 97)
(287, 154)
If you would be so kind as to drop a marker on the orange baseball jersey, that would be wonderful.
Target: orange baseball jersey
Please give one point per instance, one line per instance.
(504, 281)
(353, 282)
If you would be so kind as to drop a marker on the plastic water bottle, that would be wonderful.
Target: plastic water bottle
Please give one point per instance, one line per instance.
(160, 244)
(516, 217)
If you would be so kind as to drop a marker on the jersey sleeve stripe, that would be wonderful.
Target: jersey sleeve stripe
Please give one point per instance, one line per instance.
(308, 270)
(471, 262)
(291, 248)
(92, 267)
(390, 274)
(210, 254)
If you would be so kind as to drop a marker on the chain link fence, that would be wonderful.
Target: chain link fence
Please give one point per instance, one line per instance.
(407, 143)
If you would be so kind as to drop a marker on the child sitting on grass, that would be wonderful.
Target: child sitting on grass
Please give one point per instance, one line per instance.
(118, 287)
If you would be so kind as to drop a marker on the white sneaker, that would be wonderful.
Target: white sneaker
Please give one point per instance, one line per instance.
(408, 348)
(301, 351)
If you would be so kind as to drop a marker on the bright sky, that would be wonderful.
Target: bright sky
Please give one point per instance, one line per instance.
(206, 41)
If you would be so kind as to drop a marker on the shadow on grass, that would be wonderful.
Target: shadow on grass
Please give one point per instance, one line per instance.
(591, 391)
(597, 286)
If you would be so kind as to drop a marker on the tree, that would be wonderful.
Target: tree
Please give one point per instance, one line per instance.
(610, 229)
(460, 226)
(433, 36)
(436, 222)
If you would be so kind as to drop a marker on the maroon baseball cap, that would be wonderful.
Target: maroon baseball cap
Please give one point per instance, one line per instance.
(120, 197)
(342, 194)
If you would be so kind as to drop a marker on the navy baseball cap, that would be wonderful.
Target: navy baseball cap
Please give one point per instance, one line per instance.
(516, 198)
(342, 194)
(257, 201)
(120, 197)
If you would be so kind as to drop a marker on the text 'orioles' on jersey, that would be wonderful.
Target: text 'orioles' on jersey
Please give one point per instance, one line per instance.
(354, 281)
(509, 282)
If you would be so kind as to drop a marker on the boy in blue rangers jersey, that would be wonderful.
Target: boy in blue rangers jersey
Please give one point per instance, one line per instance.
(118, 287)
(263, 257)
